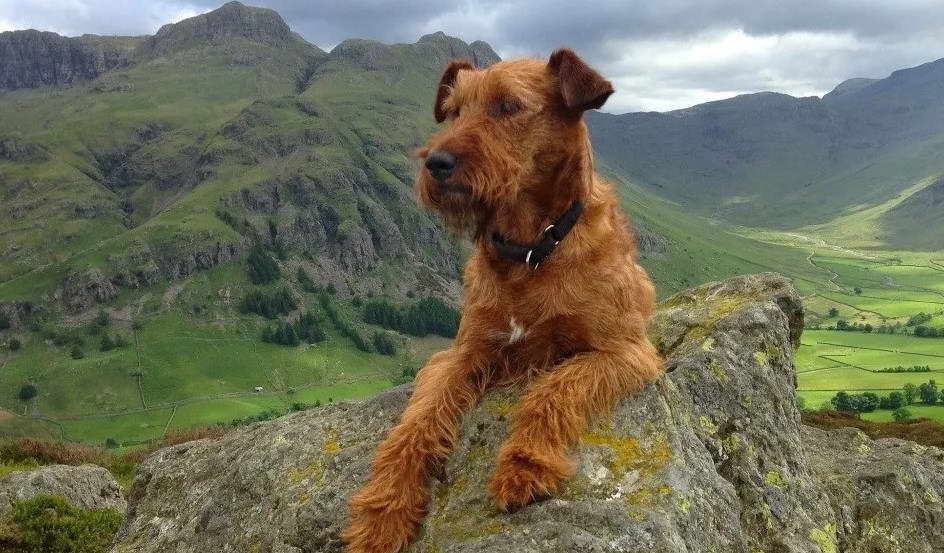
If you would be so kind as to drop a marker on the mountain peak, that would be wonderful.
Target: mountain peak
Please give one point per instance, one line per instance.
(849, 86)
(480, 53)
(232, 19)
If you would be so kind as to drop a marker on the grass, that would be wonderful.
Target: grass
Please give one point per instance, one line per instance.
(206, 366)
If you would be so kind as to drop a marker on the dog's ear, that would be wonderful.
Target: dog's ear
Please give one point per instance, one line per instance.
(445, 86)
(581, 86)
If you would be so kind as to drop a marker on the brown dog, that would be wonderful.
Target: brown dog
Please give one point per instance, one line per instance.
(553, 294)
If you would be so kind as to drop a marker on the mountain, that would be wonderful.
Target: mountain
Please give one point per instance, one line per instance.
(769, 159)
(33, 58)
(144, 182)
(218, 132)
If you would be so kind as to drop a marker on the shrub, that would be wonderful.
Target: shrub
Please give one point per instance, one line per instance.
(50, 453)
(107, 343)
(894, 400)
(270, 306)
(261, 268)
(901, 414)
(383, 313)
(427, 316)
(77, 352)
(4, 322)
(283, 334)
(918, 319)
(431, 316)
(406, 375)
(14, 344)
(922, 431)
(384, 344)
(49, 524)
(343, 326)
(309, 329)
(102, 319)
(305, 281)
(27, 392)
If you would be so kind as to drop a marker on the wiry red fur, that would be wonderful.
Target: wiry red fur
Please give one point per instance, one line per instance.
(524, 156)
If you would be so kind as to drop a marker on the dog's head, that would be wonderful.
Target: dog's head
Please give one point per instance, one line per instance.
(510, 127)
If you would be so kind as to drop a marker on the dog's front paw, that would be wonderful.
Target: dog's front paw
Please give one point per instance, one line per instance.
(522, 477)
(379, 525)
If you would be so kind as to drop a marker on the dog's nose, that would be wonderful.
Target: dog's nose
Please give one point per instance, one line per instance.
(440, 164)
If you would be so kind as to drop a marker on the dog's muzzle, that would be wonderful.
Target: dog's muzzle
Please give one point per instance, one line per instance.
(441, 164)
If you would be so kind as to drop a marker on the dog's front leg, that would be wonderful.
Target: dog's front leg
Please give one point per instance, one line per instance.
(386, 512)
(554, 413)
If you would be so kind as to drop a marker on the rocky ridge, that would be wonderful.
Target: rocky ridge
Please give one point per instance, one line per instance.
(712, 457)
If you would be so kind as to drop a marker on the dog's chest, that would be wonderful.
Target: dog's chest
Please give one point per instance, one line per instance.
(516, 331)
(538, 343)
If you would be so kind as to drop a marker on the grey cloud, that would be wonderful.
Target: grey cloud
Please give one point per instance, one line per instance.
(664, 52)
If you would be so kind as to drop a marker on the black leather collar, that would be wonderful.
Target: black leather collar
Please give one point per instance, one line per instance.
(532, 255)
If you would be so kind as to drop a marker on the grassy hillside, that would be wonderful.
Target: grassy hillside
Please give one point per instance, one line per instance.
(771, 160)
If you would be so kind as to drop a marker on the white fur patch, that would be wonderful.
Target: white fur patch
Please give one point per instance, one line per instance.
(517, 331)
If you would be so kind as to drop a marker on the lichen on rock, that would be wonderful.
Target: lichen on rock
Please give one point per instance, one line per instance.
(711, 457)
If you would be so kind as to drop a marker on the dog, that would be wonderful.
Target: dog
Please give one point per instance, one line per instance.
(553, 298)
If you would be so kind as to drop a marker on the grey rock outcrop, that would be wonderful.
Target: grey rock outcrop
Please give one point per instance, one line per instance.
(30, 58)
(232, 19)
(86, 486)
(712, 457)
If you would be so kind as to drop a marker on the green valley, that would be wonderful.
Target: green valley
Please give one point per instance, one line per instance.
(149, 195)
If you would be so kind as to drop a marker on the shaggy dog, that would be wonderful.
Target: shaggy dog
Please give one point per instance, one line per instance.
(553, 296)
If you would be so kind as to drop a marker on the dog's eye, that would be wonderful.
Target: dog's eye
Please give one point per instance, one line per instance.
(508, 107)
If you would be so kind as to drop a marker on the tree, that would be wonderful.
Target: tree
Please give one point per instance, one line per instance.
(77, 352)
(896, 400)
(383, 344)
(866, 402)
(4, 322)
(921, 331)
(833, 312)
(842, 401)
(867, 327)
(305, 281)
(857, 291)
(111, 443)
(841, 324)
(910, 391)
(14, 344)
(928, 392)
(901, 414)
(107, 343)
(27, 392)
(309, 329)
(102, 319)
(270, 306)
(261, 267)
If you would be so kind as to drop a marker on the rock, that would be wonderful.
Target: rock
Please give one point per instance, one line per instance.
(886, 494)
(712, 457)
(232, 19)
(86, 486)
(31, 58)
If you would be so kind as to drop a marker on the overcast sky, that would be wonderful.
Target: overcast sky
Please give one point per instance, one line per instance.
(660, 54)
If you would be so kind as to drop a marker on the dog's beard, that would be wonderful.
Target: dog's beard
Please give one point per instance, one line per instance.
(463, 214)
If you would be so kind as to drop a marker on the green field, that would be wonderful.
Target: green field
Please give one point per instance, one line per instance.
(195, 369)
(829, 361)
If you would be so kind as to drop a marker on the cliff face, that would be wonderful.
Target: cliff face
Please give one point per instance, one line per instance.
(233, 19)
(34, 58)
(712, 457)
